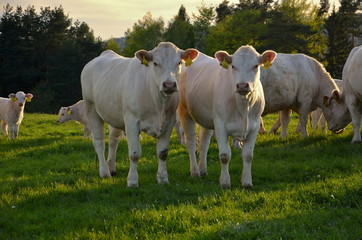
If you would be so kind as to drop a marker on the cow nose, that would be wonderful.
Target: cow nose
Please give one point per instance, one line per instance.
(243, 88)
(169, 87)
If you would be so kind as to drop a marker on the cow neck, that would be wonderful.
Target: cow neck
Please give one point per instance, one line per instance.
(17, 110)
(326, 85)
(162, 102)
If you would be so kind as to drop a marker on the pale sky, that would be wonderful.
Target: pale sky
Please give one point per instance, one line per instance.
(111, 18)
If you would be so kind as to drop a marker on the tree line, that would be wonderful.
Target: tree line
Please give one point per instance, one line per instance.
(44, 53)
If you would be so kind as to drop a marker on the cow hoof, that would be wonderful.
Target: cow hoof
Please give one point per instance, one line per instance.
(105, 175)
(162, 181)
(247, 186)
(132, 185)
(195, 174)
(113, 173)
(225, 186)
(203, 173)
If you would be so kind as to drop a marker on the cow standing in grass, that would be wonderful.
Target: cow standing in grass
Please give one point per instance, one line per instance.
(300, 83)
(77, 113)
(228, 98)
(12, 112)
(134, 94)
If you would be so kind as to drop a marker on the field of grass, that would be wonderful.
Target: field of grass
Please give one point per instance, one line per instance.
(303, 189)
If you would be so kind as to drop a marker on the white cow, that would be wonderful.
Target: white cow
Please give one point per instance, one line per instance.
(228, 100)
(316, 117)
(12, 112)
(299, 83)
(134, 94)
(352, 94)
(75, 112)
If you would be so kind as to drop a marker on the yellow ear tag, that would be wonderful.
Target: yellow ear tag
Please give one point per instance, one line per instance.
(188, 61)
(224, 64)
(13, 99)
(68, 111)
(144, 61)
(267, 64)
(28, 99)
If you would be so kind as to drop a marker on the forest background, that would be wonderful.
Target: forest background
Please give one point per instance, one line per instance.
(44, 52)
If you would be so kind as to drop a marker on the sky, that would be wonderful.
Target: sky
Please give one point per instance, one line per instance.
(111, 18)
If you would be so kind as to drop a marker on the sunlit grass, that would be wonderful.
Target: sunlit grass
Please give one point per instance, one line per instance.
(303, 189)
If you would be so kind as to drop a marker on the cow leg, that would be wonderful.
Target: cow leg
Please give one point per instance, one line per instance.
(316, 116)
(4, 127)
(284, 119)
(276, 125)
(97, 128)
(114, 137)
(189, 127)
(247, 156)
(134, 151)
(356, 118)
(303, 119)
(205, 136)
(262, 128)
(162, 153)
(179, 130)
(224, 156)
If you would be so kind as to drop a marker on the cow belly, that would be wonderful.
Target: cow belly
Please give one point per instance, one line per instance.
(202, 116)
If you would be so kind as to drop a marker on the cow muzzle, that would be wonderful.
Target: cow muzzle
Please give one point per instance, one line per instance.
(243, 88)
(169, 87)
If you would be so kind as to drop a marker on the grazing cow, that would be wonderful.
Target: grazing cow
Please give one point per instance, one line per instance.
(351, 96)
(134, 94)
(12, 112)
(228, 99)
(75, 112)
(299, 83)
(316, 117)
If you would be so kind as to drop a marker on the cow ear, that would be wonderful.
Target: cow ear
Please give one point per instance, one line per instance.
(29, 96)
(144, 56)
(12, 96)
(224, 58)
(267, 58)
(326, 101)
(336, 94)
(68, 110)
(189, 55)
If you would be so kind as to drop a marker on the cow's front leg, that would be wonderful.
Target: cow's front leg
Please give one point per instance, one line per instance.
(134, 151)
(162, 153)
(224, 156)
(303, 119)
(114, 137)
(247, 156)
(4, 127)
(356, 123)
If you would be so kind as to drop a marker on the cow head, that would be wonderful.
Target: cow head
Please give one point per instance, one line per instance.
(64, 115)
(336, 112)
(164, 63)
(20, 97)
(245, 63)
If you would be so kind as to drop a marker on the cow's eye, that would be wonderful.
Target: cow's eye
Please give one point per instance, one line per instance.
(179, 63)
(256, 67)
(233, 67)
(156, 64)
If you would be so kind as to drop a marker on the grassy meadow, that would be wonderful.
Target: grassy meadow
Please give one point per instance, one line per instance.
(303, 189)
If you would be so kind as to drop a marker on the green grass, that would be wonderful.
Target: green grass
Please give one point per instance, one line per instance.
(303, 189)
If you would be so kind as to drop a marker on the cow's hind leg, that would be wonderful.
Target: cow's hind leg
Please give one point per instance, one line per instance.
(352, 104)
(189, 127)
(284, 119)
(205, 136)
(97, 129)
(114, 137)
